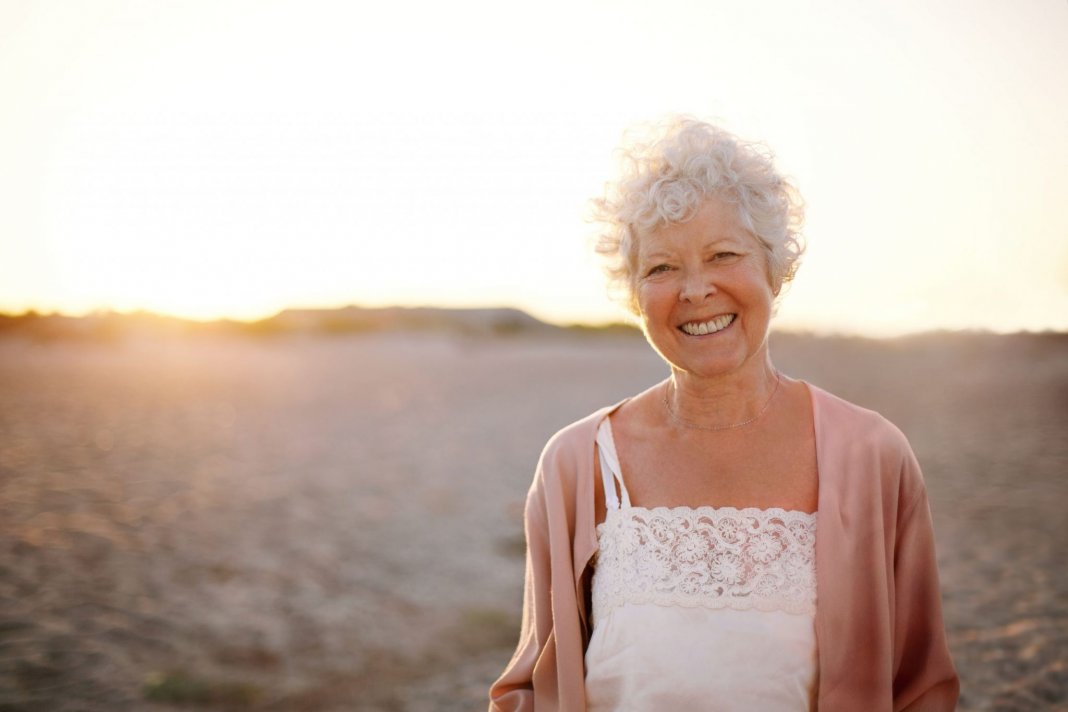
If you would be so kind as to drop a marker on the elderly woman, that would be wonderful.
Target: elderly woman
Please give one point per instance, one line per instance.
(731, 538)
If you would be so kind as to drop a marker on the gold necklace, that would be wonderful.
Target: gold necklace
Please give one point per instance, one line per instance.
(696, 426)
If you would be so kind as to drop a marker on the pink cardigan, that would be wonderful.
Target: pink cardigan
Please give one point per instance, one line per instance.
(879, 628)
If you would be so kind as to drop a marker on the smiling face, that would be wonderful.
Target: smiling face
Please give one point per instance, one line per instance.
(703, 293)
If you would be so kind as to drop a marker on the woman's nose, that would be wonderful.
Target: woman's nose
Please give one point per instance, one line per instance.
(696, 286)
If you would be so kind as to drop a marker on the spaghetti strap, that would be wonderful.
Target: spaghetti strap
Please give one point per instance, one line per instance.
(610, 470)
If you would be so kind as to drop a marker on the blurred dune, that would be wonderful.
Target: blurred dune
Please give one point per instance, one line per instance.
(112, 326)
(192, 517)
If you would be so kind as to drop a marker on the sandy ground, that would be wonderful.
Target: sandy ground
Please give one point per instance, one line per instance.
(334, 523)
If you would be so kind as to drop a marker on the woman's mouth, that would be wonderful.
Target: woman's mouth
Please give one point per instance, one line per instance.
(700, 328)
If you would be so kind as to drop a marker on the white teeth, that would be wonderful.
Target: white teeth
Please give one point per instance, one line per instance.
(708, 327)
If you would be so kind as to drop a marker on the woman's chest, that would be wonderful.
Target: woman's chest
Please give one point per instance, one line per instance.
(746, 473)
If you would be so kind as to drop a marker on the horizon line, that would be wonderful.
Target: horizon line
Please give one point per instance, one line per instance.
(569, 324)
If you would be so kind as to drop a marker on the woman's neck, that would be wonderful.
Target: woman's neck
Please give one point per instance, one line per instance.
(721, 402)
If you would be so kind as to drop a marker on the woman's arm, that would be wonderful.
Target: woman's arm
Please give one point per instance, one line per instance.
(514, 689)
(924, 676)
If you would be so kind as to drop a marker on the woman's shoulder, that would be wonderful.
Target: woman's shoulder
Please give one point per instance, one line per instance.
(579, 436)
(855, 422)
(859, 443)
(569, 454)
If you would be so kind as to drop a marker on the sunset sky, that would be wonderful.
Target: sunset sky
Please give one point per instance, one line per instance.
(223, 158)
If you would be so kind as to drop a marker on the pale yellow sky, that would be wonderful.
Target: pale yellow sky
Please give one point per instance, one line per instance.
(223, 158)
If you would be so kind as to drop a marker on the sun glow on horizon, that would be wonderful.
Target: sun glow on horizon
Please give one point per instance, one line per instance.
(234, 159)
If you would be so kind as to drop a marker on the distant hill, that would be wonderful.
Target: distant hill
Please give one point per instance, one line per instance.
(487, 321)
(478, 322)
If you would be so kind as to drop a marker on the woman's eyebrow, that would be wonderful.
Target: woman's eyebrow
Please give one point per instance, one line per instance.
(660, 253)
(721, 239)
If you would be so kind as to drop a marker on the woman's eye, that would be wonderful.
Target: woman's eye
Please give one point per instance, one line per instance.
(657, 270)
(724, 255)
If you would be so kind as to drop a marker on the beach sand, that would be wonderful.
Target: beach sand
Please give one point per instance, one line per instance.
(334, 523)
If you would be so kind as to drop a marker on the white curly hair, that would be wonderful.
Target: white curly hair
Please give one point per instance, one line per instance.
(667, 176)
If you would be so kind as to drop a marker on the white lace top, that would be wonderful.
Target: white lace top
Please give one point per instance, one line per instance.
(700, 609)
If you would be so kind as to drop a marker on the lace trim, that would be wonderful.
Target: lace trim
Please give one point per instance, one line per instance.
(717, 557)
